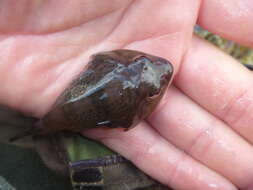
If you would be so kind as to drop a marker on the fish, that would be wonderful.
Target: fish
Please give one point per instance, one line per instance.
(116, 89)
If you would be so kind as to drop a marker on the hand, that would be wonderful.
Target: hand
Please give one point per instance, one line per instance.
(200, 135)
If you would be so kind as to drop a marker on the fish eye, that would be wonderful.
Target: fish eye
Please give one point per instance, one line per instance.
(145, 67)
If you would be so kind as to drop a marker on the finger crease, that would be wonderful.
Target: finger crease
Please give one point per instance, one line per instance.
(234, 110)
(177, 169)
(201, 143)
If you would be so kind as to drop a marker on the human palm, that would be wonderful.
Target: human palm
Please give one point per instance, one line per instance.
(200, 136)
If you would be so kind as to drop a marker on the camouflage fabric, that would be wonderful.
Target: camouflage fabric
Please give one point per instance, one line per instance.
(22, 169)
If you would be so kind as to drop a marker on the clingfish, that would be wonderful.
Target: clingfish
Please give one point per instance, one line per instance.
(117, 89)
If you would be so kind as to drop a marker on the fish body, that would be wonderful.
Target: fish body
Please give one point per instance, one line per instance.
(117, 89)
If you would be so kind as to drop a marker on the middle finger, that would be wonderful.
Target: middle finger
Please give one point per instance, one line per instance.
(207, 139)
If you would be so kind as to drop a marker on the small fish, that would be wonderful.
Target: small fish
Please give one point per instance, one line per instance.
(117, 89)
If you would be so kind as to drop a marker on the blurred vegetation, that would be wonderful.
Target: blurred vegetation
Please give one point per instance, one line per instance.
(239, 52)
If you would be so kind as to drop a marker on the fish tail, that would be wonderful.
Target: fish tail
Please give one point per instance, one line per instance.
(35, 129)
(27, 133)
(15, 125)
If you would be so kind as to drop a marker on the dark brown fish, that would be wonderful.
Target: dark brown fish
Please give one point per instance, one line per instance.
(116, 90)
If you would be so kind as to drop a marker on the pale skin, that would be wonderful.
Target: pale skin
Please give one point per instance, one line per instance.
(200, 136)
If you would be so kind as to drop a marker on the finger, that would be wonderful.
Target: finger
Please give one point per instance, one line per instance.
(220, 85)
(161, 160)
(231, 19)
(204, 137)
